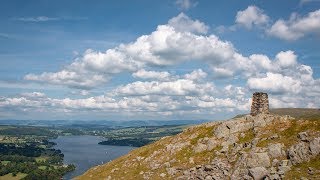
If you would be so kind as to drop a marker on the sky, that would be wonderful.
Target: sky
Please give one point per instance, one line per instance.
(156, 60)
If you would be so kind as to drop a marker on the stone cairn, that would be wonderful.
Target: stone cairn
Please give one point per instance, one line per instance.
(260, 103)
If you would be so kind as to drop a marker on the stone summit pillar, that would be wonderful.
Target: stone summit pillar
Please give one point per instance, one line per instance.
(260, 103)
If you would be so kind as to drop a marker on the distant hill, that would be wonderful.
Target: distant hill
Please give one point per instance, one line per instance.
(97, 123)
(266, 146)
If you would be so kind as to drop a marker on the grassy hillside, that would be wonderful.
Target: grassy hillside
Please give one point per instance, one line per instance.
(171, 157)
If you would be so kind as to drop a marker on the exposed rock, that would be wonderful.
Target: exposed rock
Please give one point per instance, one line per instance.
(303, 136)
(258, 173)
(275, 150)
(222, 131)
(298, 153)
(171, 171)
(315, 146)
(238, 159)
(212, 143)
(259, 160)
(200, 148)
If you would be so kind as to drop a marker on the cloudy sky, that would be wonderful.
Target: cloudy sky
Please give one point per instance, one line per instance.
(169, 59)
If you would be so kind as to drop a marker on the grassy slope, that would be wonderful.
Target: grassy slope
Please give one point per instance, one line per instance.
(10, 177)
(130, 167)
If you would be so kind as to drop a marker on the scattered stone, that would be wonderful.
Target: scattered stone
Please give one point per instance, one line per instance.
(303, 136)
(259, 160)
(315, 146)
(171, 171)
(200, 148)
(163, 175)
(115, 169)
(275, 150)
(310, 171)
(208, 168)
(258, 172)
(211, 144)
(191, 161)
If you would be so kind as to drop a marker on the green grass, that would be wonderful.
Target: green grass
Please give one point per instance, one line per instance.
(4, 162)
(10, 177)
(41, 158)
(298, 113)
(42, 167)
(249, 135)
(301, 170)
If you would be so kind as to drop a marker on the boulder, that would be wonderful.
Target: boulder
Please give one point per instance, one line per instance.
(222, 131)
(211, 144)
(275, 150)
(200, 148)
(315, 146)
(258, 173)
(298, 153)
(259, 160)
(303, 136)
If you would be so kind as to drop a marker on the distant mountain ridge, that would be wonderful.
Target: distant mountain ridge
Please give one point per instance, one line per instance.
(109, 123)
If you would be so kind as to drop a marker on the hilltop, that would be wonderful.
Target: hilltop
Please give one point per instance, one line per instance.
(284, 144)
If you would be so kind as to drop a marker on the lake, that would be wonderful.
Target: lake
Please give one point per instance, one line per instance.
(85, 152)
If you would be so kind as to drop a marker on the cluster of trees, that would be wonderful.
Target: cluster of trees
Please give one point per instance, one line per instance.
(127, 142)
(33, 171)
(23, 150)
(22, 159)
(23, 131)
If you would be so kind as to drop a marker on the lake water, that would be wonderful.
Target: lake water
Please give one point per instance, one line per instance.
(85, 152)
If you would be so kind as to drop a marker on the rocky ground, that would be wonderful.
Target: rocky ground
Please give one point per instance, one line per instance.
(265, 146)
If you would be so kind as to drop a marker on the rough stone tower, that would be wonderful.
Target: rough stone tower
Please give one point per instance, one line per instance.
(260, 103)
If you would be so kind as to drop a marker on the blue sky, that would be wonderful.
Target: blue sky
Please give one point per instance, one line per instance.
(182, 59)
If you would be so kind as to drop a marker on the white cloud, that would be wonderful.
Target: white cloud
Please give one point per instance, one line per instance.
(275, 83)
(143, 74)
(286, 59)
(252, 16)
(37, 19)
(163, 47)
(179, 87)
(185, 4)
(296, 27)
(196, 75)
(69, 78)
(46, 18)
(167, 94)
(183, 23)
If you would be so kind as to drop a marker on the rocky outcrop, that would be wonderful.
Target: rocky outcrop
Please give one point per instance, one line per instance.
(249, 147)
(305, 150)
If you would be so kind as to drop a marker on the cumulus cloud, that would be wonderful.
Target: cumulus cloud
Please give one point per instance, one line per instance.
(286, 59)
(182, 40)
(252, 16)
(185, 4)
(296, 27)
(275, 83)
(68, 78)
(148, 104)
(196, 75)
(180, 87)
(183, 23)
(164, 47)
(143, 74)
